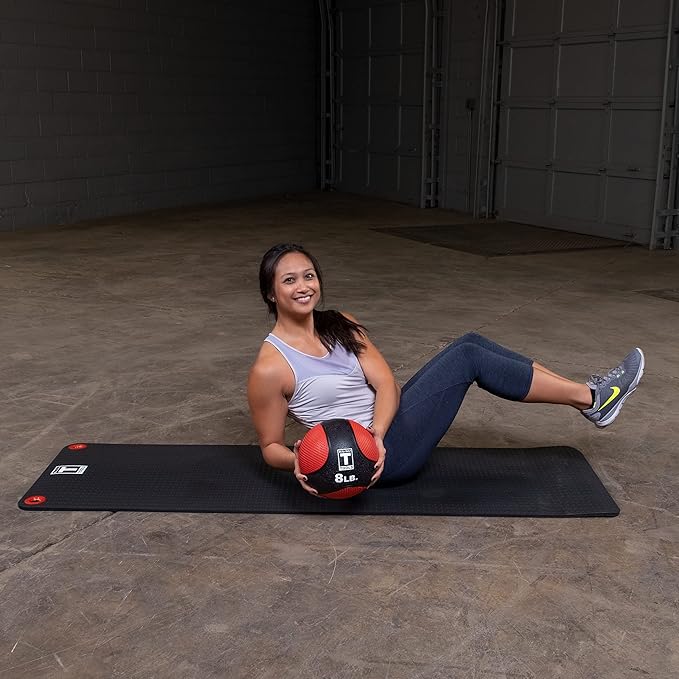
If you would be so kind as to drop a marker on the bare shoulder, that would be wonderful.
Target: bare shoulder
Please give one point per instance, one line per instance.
(269, 362)
(270, 370)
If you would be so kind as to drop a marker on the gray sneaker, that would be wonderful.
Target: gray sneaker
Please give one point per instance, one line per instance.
(611, 391)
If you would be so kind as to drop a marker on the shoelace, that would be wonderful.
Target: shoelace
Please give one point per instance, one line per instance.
(597, 380)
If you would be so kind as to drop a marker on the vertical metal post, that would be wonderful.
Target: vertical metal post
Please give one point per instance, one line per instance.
(481, 116)
(327, 96)
(433, 111)
(442, 149)
(660, 173)
(332, 84)
(490, 183)
(432, 97)
(323, 92)
(470, 139)
(424, 190)
(670, 203)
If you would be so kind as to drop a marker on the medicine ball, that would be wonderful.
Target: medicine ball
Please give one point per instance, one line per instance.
(338, 457)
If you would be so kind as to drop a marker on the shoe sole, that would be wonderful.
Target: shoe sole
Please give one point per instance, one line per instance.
(614, 413)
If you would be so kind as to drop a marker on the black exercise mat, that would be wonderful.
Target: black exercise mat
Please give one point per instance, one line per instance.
(547, 482)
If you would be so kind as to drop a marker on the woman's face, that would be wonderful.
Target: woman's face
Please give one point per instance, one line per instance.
(296, 289)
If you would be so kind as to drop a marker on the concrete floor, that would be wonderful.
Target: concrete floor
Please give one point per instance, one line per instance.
(142, 329)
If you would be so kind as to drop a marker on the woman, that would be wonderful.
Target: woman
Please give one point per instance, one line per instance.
(319, 365)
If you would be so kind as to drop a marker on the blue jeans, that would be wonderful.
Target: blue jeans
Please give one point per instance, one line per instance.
(431, 398)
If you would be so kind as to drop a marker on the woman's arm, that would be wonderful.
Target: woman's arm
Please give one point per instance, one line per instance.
(387, 395)
(268, 409)
(381, 378)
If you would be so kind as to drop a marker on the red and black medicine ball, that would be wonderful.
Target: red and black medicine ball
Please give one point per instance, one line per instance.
(338, 457)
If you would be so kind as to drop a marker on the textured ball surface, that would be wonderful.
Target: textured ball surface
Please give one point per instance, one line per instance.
(338, 457)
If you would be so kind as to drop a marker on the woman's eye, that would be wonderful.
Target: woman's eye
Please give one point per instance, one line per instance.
(309, 275)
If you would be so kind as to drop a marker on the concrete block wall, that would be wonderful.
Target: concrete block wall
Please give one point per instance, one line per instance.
(464, 83)
(116, 106)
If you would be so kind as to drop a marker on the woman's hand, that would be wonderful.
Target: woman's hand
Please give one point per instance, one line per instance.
(298, 474)
(379, 465)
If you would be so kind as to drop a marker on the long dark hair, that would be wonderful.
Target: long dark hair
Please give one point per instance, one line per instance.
(332, 327)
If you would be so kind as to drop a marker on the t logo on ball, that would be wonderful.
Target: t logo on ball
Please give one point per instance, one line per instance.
(345, 459)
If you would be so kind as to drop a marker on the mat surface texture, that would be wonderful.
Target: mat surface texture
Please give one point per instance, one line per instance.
(549, 482)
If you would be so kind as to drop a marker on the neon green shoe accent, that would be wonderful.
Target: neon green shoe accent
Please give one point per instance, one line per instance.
(612, 397)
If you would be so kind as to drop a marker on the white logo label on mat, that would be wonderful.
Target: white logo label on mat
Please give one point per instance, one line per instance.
(345, 459)
(69, 469)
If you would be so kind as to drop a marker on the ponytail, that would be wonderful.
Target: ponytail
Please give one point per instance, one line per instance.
(335, 328)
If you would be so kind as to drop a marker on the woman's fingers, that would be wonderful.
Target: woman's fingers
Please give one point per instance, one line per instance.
(301, 478)
(309, 489)
(376, 476)
(379, 465)
(302, 482)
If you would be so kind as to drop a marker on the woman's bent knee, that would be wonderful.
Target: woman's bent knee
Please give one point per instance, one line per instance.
(473, 338)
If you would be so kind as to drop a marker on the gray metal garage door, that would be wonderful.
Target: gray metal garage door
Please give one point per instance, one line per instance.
(379, 98)
(580, 113)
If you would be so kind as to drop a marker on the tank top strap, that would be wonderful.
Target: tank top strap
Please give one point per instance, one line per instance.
(283, 350)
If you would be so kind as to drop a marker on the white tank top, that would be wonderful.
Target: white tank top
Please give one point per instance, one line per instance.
(327, 387)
